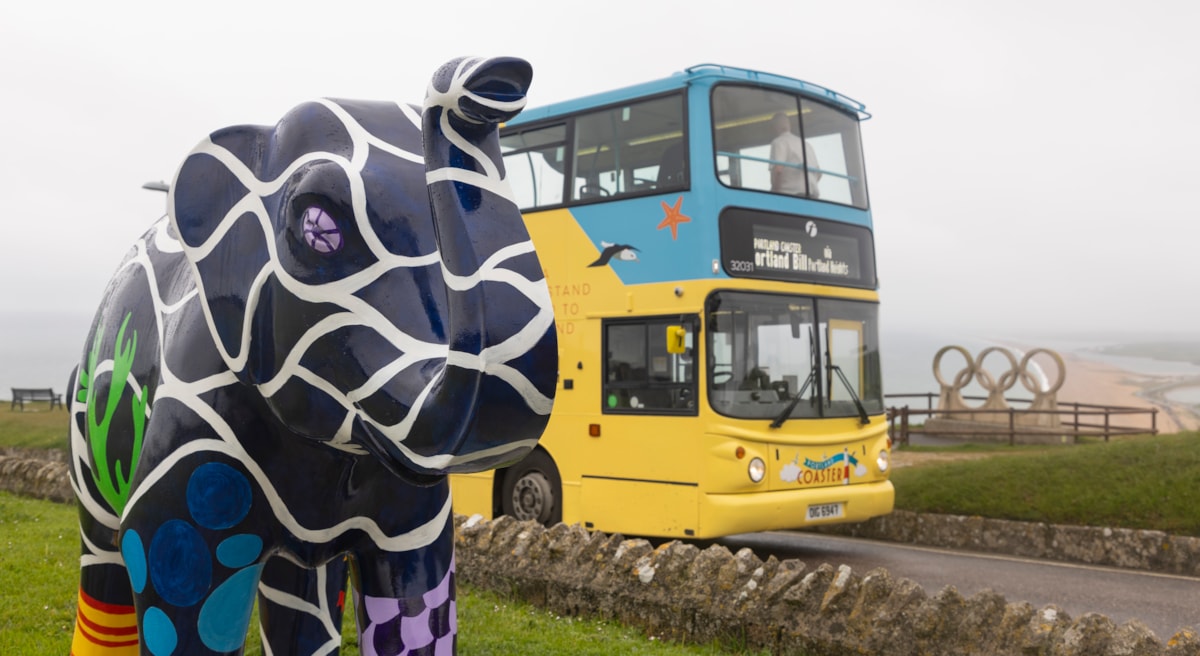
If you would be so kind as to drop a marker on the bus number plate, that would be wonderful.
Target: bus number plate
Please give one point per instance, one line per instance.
(824, 511)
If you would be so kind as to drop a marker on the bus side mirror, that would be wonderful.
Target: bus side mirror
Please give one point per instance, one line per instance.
(676, 339)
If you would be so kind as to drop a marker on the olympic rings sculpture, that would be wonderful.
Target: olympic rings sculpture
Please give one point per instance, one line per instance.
(1044, 398)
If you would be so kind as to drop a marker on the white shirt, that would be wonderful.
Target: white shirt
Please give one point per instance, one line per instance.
(787, 148)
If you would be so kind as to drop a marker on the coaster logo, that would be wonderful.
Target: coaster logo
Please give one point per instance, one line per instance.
(830, 470)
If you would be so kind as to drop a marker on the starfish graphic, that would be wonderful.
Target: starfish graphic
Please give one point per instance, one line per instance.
(673, 217)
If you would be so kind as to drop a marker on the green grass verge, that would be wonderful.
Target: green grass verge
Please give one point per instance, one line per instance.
(37, 427)
(39, 575)
(493, 625)
(39, 578)
(1139, 483)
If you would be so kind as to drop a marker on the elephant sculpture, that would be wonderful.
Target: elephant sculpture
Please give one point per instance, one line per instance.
(336, 312)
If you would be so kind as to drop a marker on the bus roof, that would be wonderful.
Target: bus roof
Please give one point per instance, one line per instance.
(678, 80)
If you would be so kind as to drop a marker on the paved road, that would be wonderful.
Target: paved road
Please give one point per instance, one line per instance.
(1165, 603)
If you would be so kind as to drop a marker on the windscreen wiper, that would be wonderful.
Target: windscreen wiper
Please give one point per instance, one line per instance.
(862, 412)
(787, 412)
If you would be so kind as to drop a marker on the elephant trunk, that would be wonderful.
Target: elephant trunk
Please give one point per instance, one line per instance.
(492, 399)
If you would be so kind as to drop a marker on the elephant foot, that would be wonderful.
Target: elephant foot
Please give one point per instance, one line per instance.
(104, 629)
(427, 623)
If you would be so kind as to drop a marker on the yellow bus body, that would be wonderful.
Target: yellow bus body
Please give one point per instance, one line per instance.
(677, 476)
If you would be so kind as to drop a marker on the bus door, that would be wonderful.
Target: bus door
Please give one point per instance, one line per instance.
(642, 471)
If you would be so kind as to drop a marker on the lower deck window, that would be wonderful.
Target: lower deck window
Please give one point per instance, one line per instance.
(641, 375)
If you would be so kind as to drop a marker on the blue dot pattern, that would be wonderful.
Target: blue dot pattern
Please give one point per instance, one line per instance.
(218, 496)
(225, 616)
(134, 553)
(239, 550)
(180, 565)
(160, 635)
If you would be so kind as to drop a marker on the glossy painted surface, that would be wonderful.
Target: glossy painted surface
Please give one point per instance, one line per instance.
(340, 310)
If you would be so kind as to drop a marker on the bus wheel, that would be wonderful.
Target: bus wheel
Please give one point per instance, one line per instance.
(533, 490)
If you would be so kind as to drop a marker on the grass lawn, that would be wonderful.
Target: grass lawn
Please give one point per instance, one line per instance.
(37, 427)
(1138, 482)
(39, 578)
(39, 575)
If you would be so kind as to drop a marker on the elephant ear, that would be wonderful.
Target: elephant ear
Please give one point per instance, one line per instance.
(225, 228)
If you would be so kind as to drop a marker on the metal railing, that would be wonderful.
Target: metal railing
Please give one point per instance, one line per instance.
(1074, 420)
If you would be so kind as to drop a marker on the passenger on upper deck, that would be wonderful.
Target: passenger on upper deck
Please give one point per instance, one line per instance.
(788, 147)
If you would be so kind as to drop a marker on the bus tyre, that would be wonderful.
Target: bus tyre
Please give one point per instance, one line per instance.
(532, 489)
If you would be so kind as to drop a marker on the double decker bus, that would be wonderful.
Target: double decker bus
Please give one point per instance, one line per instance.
(707, 242)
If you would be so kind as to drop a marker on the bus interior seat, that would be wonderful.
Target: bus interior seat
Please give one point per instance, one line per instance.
(589, 191)
(781, 388)
(671, 167)
(757, 379)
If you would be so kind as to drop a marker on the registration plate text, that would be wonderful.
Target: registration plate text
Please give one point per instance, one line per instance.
(824, 511)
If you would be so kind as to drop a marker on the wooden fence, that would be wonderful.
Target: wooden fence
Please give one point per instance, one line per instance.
(1076, 419)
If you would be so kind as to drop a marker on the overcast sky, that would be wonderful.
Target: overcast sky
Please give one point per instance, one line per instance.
(1032, 166)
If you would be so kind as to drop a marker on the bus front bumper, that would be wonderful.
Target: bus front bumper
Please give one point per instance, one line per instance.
(727, 514)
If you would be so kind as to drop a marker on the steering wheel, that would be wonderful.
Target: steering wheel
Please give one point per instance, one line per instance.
(592, 191)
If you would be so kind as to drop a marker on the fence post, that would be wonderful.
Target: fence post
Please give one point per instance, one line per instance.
(904, 425)
(1154, 421)
(1106, 411)
(1012, 426)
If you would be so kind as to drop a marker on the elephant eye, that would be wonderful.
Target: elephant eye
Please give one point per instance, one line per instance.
(321, 231)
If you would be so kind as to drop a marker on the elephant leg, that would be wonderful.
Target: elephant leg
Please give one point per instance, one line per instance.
(192, 599)
(301, 609)
(105, 620)
(195, 555)
(405, 601)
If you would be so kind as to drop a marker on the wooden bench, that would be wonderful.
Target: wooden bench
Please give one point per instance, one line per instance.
(20, 396)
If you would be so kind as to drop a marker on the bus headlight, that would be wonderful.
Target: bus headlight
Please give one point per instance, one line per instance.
(883, 461)
(757, 470)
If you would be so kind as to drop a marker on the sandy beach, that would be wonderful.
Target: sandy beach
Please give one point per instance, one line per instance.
(1099, 383)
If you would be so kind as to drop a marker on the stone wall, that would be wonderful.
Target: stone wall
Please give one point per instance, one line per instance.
(679, 592)
(42, 475)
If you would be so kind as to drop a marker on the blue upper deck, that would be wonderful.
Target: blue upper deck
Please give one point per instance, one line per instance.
(682, 173)
(705, 74)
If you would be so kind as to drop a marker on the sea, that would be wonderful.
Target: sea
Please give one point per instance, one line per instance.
(40, 349)
(907, 360)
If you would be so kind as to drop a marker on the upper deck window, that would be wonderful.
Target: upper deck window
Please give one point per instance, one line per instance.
(533, 162)
(771, 140)
(637, 147)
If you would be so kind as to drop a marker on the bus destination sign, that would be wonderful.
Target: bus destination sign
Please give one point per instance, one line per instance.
(756, 244)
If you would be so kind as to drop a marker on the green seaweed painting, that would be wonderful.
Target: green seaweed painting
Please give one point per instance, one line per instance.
(113, 485)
